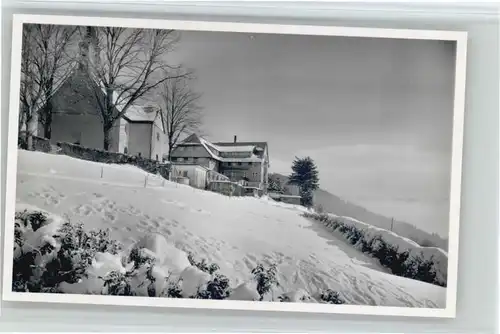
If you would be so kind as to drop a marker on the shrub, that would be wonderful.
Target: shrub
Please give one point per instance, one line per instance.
(76, 252)
(400, 263)
(427, 243)
(265, 278)
(34, 220)
(331, 297)
(101, 241)
(118, 284)
(202, 265)
(173, 289)
(74, 249)
(217, 288)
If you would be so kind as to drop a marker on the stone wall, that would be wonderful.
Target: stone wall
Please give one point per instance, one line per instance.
(41, 144)
(38, 143)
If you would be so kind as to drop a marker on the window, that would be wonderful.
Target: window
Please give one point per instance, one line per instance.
(157, 137)
(195, 159)
(239, 163)
(185, 173)
(181, 159)
(157, 157)
(125, 150)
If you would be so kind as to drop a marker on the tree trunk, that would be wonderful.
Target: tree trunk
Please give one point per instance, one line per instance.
(108, 117)
(47, 124)
(107, 139)
(27, 133)
(169, 153)
(170, 147)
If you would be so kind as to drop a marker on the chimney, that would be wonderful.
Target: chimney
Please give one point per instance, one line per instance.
(235, 138)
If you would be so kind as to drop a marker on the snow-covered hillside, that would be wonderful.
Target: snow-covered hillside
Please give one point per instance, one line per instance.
(235, 233)
(334, 204)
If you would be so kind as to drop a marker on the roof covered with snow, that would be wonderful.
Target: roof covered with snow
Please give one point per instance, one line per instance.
(213, 149)
(136, 113)
(232, 146)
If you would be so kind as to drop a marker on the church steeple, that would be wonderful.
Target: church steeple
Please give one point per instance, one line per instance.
(88, 45)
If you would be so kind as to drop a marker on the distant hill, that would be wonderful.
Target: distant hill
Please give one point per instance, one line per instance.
(336, 205)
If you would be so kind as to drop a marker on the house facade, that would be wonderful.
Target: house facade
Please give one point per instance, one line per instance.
(246, 163)
(76, 118)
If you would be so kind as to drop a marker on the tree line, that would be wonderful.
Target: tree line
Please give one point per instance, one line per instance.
(123, 67)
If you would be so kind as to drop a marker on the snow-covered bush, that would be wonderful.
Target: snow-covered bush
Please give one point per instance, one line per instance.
(217, 288)
(297, 296)
(401, 256)
(202, 265)
(265, 278)
(117, 284)
(49, 251)
(52, 254)
(331, 297)
(173, 289)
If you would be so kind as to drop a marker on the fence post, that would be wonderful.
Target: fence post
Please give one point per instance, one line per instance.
(146, 180)
(102, 171)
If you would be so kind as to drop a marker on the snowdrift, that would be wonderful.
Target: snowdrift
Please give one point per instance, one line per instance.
(151, 267)
(369, 239)
(147, 215)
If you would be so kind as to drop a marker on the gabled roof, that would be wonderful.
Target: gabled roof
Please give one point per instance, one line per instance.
(228, 145)
(134, 113)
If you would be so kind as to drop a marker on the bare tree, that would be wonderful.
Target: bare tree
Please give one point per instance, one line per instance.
(180, 109)
(127, 64)
(46, 62)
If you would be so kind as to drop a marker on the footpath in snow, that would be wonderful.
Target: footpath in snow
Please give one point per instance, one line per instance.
(236, 233)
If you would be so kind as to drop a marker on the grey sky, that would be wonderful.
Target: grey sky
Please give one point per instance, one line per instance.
(375, 114)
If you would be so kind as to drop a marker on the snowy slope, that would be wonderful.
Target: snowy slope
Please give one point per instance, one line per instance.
(438, 256)
(339, 206)
(236, 233)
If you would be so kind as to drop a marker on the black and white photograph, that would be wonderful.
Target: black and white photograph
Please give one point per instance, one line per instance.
(258, 167)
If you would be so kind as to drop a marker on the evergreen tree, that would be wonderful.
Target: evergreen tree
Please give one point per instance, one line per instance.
(305, 176)
(274, 185)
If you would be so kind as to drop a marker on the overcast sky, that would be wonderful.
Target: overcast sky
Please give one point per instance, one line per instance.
(375, 114)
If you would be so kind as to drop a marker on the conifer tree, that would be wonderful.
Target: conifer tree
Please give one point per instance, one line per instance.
(305, 175)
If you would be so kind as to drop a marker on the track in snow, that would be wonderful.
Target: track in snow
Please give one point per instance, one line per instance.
(235, 233)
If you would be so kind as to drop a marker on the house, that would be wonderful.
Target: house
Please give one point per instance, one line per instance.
(246, 163)
(196, 175)
(76, 118)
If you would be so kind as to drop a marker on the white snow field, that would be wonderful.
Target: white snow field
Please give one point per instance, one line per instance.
(236, 233)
